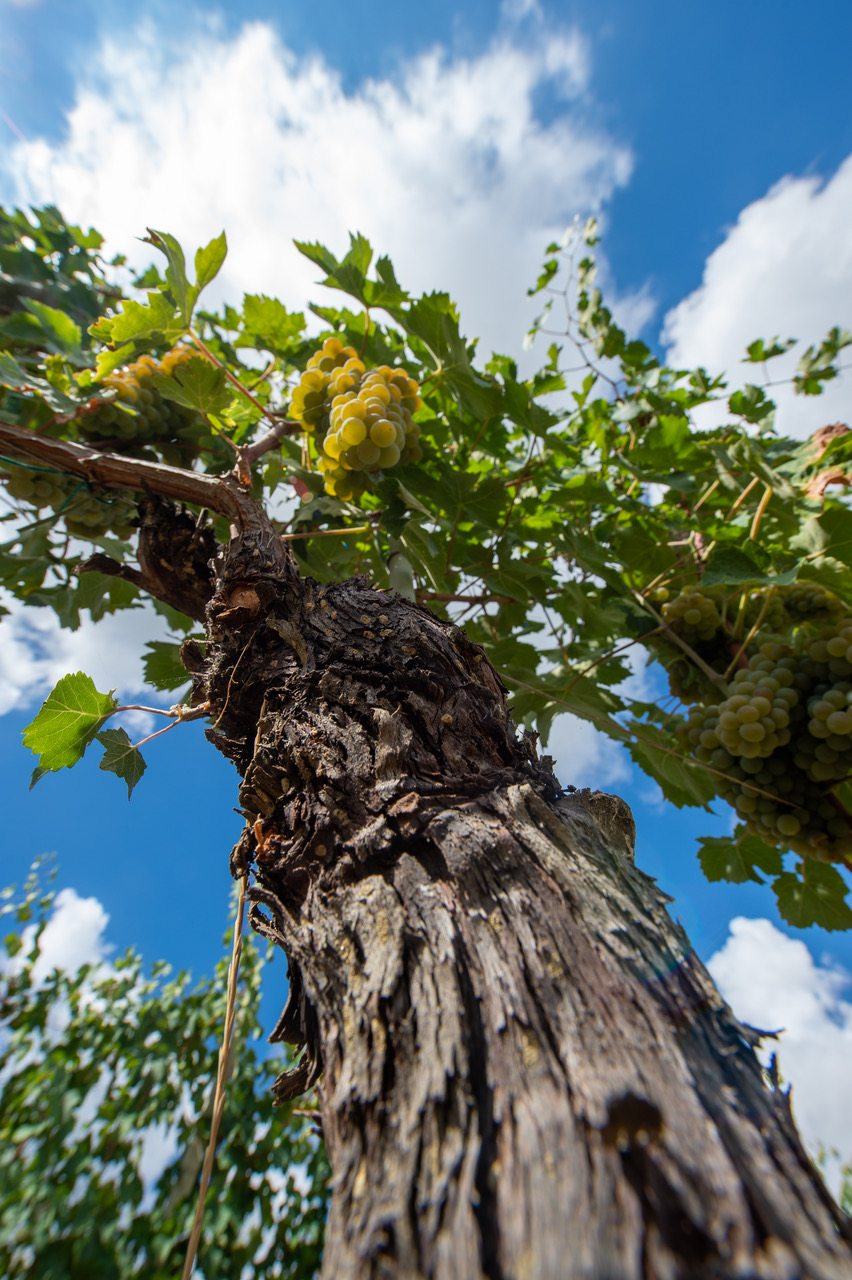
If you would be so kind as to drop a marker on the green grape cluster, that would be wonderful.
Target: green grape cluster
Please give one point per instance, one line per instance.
(86, 514)
(139, 414)
(766, 607)
(782, 739)
(810, 600)
(360, 421)
(694, 615)
(704, 616)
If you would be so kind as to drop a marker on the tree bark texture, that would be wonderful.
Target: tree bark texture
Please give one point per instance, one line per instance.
(525, 1072)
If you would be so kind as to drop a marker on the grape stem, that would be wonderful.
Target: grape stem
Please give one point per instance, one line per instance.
(446, 597)
(235, 382)
(676, 639)
(752, 633)
(706, 494)
(611, 654)
(328, 533)
(741, 499)
(758, 515)
(283, 427)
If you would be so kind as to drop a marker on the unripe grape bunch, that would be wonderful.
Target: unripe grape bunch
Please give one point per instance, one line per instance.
(138, 414)
(87, 513)
(360, 421)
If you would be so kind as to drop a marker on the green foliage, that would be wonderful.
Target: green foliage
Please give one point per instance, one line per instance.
(121, 757)
(552, 515)
(68, 721)
(99, 1060)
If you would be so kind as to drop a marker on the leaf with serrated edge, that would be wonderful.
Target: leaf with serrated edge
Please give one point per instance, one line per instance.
(735, 860)
(121, 757)
(198, 385)
(69, 719)
(208, 261)
(816, 896)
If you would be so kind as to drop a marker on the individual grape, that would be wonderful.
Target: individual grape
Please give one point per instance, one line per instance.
(383, 433)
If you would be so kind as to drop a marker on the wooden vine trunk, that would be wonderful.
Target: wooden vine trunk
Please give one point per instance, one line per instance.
(525, 1071)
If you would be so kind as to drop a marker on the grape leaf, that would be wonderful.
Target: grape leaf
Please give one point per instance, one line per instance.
(107, 361)
(67, 722)
(268, 325)
(734, 858)
(61, 334)
(136, 320)
(208, 261)
(729, 565)
(181, 290)
(837, 524)
(121, 757)
(198, 385)
(163, 667)
(816, 896)
(682, 781)
(12, 375)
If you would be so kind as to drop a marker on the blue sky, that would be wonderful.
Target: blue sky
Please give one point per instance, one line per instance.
(714, 143)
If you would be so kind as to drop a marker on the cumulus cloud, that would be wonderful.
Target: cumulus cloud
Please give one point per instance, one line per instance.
(446, 168)
(73, 936)
(772, 981)
(585, 757)
(36, 652)
(784, 268)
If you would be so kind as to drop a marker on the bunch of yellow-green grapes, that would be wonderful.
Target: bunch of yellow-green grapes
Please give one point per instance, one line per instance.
(139, 415)
(781, 739)
(86, 514)
(709, 618)
(694, 615)
(361, 422)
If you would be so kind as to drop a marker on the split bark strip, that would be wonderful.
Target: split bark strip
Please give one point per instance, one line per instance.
(221, 1079)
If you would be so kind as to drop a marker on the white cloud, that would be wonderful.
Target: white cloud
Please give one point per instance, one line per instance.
(585, 757)
(446, 169)
(772, 982)
(784, 269)
(73, 935)
(36, 652)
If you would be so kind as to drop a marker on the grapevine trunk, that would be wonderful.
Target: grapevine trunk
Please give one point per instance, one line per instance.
(525, 1071)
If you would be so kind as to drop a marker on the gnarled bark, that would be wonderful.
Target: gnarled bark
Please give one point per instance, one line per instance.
(525, 1071)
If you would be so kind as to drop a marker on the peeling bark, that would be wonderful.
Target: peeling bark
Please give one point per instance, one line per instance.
(525, 1071)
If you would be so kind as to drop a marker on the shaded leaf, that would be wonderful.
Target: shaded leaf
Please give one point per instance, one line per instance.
(738, 858)
(121, 757)
(198, 385)
(163, 667)
(816, 896)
